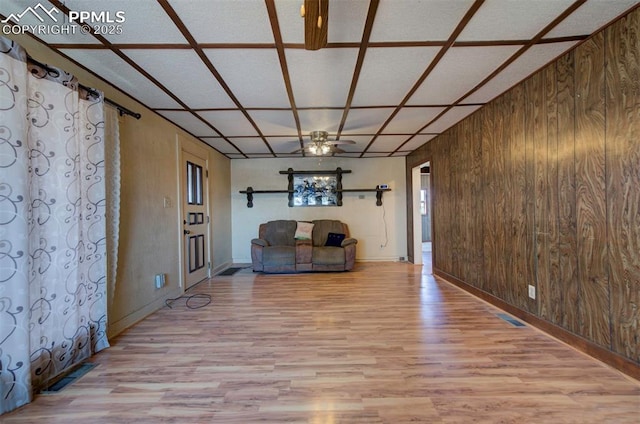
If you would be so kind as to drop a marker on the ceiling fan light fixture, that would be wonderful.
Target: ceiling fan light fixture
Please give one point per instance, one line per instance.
(318, 136)
(320, 144)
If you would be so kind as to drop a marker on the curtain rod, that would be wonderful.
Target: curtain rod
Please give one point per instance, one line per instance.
(121, 109)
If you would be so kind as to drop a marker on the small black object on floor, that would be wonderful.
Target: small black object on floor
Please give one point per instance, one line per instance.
(230, 271)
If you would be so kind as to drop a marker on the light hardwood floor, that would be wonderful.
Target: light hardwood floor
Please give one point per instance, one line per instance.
(381, 344)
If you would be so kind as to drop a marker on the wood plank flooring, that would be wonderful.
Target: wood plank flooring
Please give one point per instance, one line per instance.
(381, 344)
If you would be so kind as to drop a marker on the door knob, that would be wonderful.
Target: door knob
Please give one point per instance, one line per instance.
(187, 232)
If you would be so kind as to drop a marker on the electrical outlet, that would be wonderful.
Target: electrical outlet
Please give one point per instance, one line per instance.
(532, 291)
(159, 281)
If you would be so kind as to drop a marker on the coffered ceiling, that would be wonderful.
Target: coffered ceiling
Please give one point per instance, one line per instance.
(395, 73)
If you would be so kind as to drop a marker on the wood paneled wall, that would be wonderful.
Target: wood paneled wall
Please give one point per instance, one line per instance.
(542, 187)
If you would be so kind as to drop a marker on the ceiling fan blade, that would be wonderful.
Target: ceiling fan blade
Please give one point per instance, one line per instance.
(343, 141)
(337, 150)
(316, 19)
(297, 151)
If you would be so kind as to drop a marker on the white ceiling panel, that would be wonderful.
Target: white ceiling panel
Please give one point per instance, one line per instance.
(417, 142)
(388, 74)
(450, 118)
(182, 72)
(259, 155)
(229, 123)
(401, 153)
(251, 145)
(387, 143)
(366, 121)
(346, 20)
(375, 155)
(275, 122)
(122, 75)
(235, 156)
(137, 16)
(417, 20)
(260, 67)
(590, 17)
(468, 66)
(361, 143)
(291, 23)
(410, 119)
(533, 59)
(512, 19)
(189, 122)
(284, 144)
(321, 78)
(221, 145)
(225, 21)
(320, 119)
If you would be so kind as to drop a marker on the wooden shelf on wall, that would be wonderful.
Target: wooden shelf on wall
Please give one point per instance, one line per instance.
(250, 192)
(290, 191)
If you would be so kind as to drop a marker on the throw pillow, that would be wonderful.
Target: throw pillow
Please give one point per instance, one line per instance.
(334, 239)
(304, 231)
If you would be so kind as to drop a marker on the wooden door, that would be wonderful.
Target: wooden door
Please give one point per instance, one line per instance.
(195, 219)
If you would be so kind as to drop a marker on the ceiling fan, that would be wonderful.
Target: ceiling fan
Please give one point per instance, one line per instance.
(316, 19)
(321, 145)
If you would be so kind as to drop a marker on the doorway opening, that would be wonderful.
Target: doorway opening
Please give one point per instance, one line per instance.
(422, 221)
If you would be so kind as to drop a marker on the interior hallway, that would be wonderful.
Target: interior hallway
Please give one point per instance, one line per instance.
(386, 343)
(427, 264)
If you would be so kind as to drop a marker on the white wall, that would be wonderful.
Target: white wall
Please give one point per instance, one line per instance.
(366, 220)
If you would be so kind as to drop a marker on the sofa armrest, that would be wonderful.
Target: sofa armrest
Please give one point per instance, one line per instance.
(259, 242)
(349, 241)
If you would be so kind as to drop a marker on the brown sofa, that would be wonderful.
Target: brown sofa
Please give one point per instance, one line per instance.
(276, 250)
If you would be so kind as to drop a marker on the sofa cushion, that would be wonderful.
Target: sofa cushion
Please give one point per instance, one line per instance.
(328, 255)
(334, 239)
(304, 230)
(279, 255)
(322, 228)
(280, 233)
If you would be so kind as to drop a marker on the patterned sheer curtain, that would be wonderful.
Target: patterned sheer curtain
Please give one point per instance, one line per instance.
(52, 225)
(112, 181)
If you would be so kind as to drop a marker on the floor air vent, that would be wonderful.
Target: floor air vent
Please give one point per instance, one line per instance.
(69, 378)
(511, 320)
(230, 271)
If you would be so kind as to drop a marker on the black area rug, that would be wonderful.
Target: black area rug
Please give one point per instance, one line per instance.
(230, 271)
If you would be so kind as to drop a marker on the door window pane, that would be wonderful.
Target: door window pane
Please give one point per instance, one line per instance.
(194, 184)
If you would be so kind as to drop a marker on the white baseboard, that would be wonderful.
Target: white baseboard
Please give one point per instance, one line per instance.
(115, 328)
(220, 268)
(381, 259)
